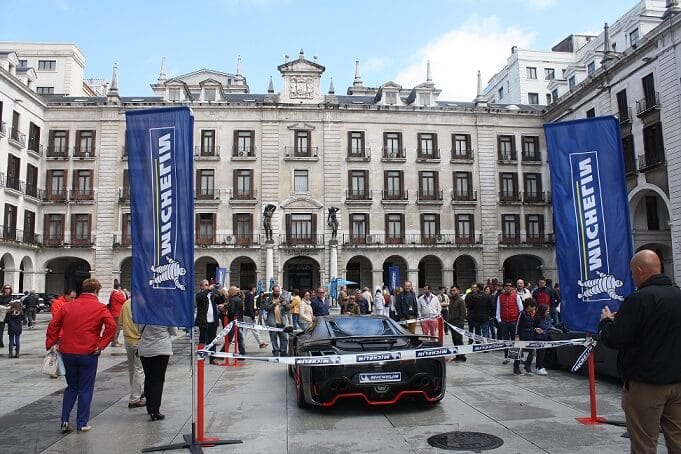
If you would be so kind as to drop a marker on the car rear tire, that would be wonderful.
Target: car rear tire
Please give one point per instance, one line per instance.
(551, 359)
(300, 394)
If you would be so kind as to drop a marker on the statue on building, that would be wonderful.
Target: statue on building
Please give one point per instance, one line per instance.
(267, 220)
(332, 221)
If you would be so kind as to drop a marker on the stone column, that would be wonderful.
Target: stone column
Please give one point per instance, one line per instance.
(269, 263)
(377, 280)
(447, 277)
(333, 259)
(12, 278)
(39, 280)
(413, 276)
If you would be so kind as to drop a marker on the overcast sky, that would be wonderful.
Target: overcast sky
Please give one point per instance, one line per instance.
(393, 39)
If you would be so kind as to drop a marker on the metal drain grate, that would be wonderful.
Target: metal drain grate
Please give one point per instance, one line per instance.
(465, 441)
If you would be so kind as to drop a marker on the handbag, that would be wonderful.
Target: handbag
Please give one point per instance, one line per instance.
(515, 353)
(61, 369)
(50, 366)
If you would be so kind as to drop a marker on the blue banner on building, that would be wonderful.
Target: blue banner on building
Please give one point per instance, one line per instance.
(221, 276)
(393, 278)
(590, 218)
(160, 169)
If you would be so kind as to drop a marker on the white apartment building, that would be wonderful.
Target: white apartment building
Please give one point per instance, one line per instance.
(541, 77)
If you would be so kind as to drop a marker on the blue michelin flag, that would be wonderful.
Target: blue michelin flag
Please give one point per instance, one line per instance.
(590, 217)
(160, 168)
(393, 278)
(221, 276)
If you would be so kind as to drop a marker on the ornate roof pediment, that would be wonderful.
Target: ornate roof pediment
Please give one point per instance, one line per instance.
(301, 126)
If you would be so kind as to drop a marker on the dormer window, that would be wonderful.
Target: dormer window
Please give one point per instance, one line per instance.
(391, 98)
(174, 94)
(424, 99)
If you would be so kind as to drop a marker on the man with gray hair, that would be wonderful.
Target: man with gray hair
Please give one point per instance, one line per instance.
(647, 332)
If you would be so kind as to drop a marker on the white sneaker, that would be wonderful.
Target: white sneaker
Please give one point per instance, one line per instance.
(541, 371)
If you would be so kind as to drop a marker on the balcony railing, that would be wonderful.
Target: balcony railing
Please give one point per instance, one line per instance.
(10, 182)
(227, 240)
(648, 104)
(464, 196)
(17, 138)
(536, 197)
(241, 194)
(531, 157)
(630, 163)
(83, 152)
(82, 194)
(429, 196)
(54, 195)
(429, 155)
(207, 151)
(206, 194)
(507, 196)
(243, 152)
(412, 239)
(301, 152)
(625, 116)
(3, 129)
(59, 239)
(35, 147)
(649, 161)
(361, 154)
(395, 196)
(507, 156)
(358, 194)
(298, 240)
(30, 190)
(57, 151)
(122, 241)
(124, 194)
(526, 239)
(462, 155)
(8, 233)
(394, 154)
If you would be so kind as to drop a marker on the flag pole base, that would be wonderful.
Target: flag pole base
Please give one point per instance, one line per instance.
(589, 421)
(192, 444)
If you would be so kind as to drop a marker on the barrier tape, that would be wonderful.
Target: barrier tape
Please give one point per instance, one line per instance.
(221, 335)
(584, 356)
(528, 345)
(417, 320)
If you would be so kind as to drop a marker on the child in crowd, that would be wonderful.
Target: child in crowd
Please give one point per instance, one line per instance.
(542, 323)
(525, 332)
(13, 320)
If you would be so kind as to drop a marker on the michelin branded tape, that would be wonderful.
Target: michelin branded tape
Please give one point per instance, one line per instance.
(528, 345)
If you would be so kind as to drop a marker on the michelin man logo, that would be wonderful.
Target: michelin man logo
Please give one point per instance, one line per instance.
(170, 272)
(604, 283)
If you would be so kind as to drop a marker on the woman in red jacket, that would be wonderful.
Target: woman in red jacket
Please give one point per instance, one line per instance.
(80, 343)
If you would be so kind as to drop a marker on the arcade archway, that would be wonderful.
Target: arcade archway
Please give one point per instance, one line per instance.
(464, 271)
(243, 273)
(301, 273)
(66, 273)
(358, 269)
(525, 266)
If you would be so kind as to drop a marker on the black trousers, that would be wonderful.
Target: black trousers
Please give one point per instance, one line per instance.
(154, 377)
(207, 333)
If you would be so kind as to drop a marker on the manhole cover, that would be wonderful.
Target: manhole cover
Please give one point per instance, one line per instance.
(465, 441)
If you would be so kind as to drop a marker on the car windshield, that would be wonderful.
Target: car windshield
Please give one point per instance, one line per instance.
(359, 326)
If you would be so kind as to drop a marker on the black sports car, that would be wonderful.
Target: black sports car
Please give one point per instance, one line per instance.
(382, 383)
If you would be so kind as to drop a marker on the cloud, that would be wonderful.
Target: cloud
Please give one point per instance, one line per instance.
(538, 5)
(374, 65)
(479, 44)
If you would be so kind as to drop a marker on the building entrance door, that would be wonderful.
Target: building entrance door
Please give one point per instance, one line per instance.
(301, 273)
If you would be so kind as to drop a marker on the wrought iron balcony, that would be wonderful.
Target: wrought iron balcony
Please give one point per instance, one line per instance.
(54, 195)
(17, 138)
(625, 116)
(359, 154)
(358, 194)
(411, 240)
(530, 158)
(427, 155)
(207, 194)
(535, 197)
(301, 152)
(83, 152)
(124, 194)
(526, 239)
(63, 239)
(507, 156)
(467, 195)
(243, 194)
(649, 161)
(509, 196)
(3, 129)
(77, 195)
(57, 151)
(429, 196)
(394, 154)
(211, 151)
(395, 196)
(462, 155)
(34, 146)
(648, 104)
(10, 182)
(630, 164)
(122, 241)
(227, 240)
(301, 240)
(12, 234)
(31, 190)
(243, 152)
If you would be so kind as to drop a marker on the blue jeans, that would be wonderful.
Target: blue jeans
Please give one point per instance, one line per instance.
(479, 328)
(81, 371)
(296, 321)
(239, 340)
(14, 342)
(506, 332)
(279, 340)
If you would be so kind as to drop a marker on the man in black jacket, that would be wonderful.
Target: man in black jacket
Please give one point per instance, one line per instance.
(480, 309)
(647, 332)
(406, 305)
(206, 316)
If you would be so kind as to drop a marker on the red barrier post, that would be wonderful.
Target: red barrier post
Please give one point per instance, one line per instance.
(441, 330)
(200, 376)
(593, 418)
